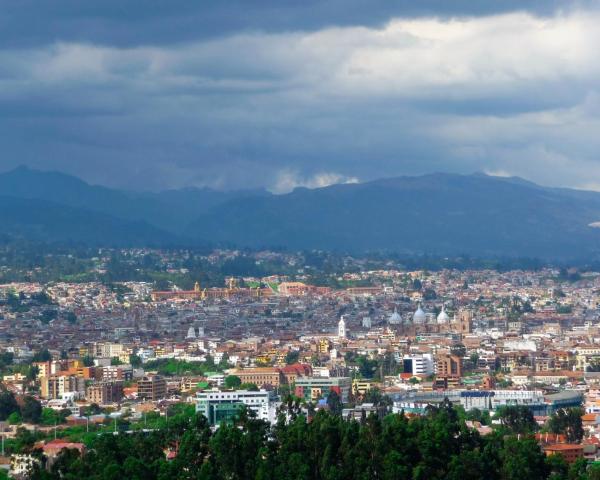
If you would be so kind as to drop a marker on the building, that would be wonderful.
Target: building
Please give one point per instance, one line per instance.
(293, 288)
(361, 387)
(570, 452)
(105, 392)
(219, 407)
(152, 387)
(465, 321)
(323, 345)
(342, 328)
(361, 412)
(315, 388)
(56, 386)
(292, 372)
(261, 376)
(448, 366)
(491, 400)
(53, 448)
(418, 364)
(116, 372)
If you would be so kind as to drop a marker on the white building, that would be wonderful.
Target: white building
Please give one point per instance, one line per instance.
(418, 364)
(220, 406)
(342, 328)
(191, 333)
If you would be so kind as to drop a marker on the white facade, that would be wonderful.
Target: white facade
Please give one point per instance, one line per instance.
(422, 364)
(191, 333)
(342, 328)
(520, 345)
(261, 402)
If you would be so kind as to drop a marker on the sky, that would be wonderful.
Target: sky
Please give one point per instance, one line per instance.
(152, 95)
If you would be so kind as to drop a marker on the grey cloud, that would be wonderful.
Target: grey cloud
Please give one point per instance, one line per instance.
(155, 22)
(321, 103)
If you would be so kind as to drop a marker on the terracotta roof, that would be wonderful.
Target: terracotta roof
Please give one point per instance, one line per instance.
(563, 447)
(589, 417)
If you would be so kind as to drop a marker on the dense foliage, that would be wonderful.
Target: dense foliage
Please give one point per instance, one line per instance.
(170, 367)
(436, 446)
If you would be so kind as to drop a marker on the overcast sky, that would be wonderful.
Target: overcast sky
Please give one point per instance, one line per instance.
(240, 94)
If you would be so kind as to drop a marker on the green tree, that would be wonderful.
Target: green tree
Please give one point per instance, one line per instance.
(31, 411)
(14, 418)
(135, 360)
(557, 467)
(42, 356)
(517, 418)
(568, 422)
(71, 317)
(522, 459)
(292, 357)
(232, 381)
(334, 403)
(366, 366)
(88, 361)
(8, 404)
(249, 386)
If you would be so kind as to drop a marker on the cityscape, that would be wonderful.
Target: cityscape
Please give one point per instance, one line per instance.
(299, 240)
(90, 358)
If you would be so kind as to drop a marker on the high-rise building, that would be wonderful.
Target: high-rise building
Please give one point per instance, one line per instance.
(418, 364)
(152, 387)
(448, 366)
(105, 392)
(55, 386)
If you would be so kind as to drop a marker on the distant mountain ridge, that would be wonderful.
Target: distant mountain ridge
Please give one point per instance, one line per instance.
(445, 214)
(170, 210)
(441, 214)
(45, 221)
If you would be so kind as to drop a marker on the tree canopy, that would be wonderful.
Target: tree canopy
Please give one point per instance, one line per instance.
(435, 446)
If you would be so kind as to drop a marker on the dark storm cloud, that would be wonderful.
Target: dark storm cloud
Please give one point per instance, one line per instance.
(156, 22)
(152, 95)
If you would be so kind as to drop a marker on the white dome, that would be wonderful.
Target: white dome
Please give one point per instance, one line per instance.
(419, 316)
(443, 316)
(395, 318)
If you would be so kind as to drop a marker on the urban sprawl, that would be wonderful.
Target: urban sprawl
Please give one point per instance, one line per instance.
(111, 358)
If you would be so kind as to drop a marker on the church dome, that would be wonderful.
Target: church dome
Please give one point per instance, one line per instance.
(443, 316)
(419, 316)
(395, 318)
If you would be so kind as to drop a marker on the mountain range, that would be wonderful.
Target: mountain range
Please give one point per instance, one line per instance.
(439, 214)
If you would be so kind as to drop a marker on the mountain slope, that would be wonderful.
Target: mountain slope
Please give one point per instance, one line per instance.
(170, 210)
(50, 222)
(438, 214)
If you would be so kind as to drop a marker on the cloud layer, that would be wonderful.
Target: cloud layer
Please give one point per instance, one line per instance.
(513, 92)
